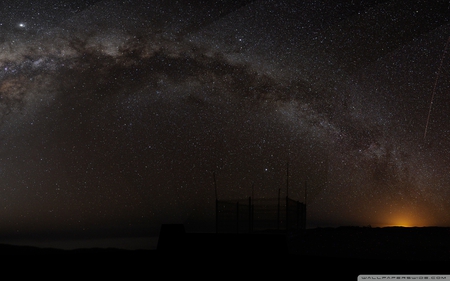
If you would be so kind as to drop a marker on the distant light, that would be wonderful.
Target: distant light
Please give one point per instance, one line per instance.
(22, 25)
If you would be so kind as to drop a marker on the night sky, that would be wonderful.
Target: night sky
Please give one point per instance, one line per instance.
(114, 115)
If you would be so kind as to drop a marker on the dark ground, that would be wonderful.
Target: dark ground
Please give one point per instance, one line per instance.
(320, 252)
(365, 250)
(342, 251)
(388, 243)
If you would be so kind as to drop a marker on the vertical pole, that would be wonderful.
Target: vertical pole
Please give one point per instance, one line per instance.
(215, 184)
(278, 213)
(304, 216)
(237, 217)
(287, 214)
(253, 216)
(249, 214)
(304, 207)
(287, 195)
(306, 191)
(251, 208)
(253, 187)
(217, 202)
(217, 216)
(287, 179)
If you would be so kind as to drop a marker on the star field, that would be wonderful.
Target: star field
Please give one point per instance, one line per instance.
(114, 115)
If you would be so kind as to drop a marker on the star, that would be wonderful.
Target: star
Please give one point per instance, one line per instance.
(115, 101)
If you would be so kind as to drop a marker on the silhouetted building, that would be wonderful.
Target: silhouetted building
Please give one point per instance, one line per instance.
(268, 214)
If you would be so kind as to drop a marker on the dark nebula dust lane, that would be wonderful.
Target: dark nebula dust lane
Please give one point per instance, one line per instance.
(114, 115)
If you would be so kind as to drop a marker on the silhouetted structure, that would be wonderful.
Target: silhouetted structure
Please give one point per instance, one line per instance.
(173, 240)
(248, 216)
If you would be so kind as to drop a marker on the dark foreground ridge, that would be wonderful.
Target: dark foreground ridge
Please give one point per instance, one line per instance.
(6, 249)
(366, 250)
(388, 243)
(360, 250)
(357, 250)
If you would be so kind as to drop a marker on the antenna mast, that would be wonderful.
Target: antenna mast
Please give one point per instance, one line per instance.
(215, 183)
(287, 180)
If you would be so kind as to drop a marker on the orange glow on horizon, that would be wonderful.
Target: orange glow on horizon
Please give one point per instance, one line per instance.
(401, 225)
(402, 219)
